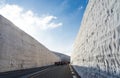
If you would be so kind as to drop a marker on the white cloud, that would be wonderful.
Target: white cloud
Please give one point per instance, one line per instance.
(81, 7)
(25, 19)
(35, 25)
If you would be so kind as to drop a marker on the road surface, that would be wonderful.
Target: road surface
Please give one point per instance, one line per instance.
(61, 71)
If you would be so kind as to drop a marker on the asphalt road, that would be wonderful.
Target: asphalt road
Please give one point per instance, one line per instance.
(62, 71)
(23, 72)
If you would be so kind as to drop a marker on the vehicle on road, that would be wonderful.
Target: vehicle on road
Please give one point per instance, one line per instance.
(62, 63)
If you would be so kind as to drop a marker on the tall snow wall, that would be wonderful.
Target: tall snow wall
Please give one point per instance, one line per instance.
(96, 51)
(18, 50)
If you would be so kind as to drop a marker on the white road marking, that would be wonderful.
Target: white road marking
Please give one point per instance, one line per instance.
(74, 76)
(73, 73)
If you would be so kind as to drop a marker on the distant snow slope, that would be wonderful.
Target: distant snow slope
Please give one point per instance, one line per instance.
(63, 57)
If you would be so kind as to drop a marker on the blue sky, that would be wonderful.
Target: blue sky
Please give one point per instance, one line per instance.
(59, 20)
